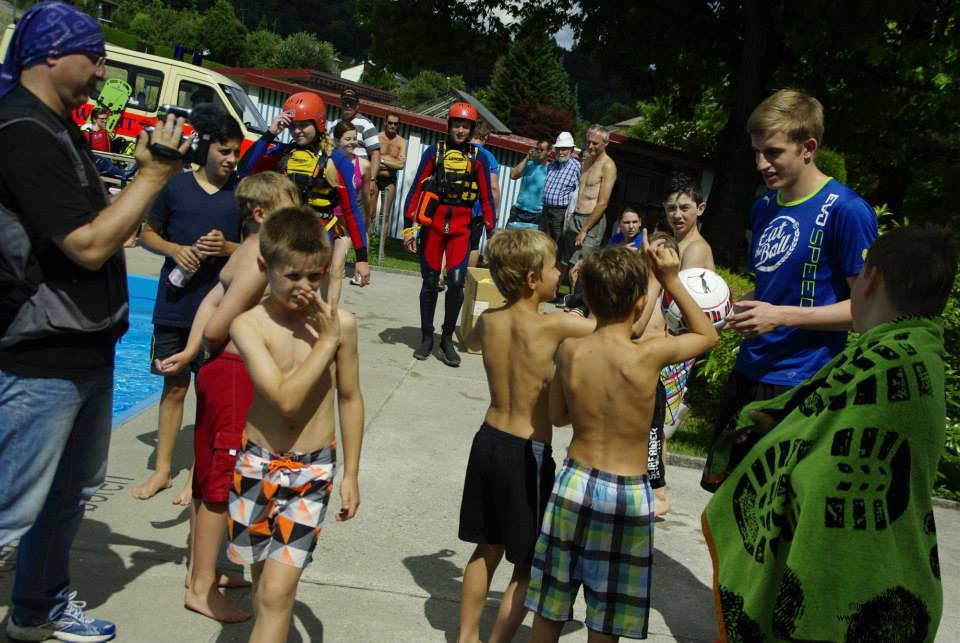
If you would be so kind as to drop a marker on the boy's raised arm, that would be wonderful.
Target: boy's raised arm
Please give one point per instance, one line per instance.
(350, 405)
(246, 290)
(288, 393)
(701, 335)
(207, 308)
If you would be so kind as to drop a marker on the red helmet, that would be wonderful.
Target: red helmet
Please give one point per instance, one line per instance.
(307, 106)
(465, 111)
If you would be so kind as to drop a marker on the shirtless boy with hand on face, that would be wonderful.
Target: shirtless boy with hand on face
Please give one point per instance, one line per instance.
(598, 526)
(302, 357)
(511, 467)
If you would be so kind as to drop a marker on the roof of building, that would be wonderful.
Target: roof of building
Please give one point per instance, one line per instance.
(316, 79)
(282, 80)
(440, 108)
(277, 79)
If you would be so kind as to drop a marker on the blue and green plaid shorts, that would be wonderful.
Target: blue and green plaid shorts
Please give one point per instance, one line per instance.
(597, 532)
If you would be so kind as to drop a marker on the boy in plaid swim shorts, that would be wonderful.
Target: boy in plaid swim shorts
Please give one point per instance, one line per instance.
(302, 357)
(598, 526)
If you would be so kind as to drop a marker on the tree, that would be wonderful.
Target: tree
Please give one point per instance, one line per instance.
(380, 76)
(696, 133)
(885, 72)
(427, 87)
(541, 121)
(531, 74)
(259, 49)
(453, 37)
(303, 49)
(222, 32)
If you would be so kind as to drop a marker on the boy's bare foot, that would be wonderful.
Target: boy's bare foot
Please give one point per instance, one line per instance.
(225, 579)
(214, 605)
(661, 504)
(185, 495)
(153, 485)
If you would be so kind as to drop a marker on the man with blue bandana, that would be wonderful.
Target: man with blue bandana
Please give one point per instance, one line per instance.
(810, 237)
(63, 305)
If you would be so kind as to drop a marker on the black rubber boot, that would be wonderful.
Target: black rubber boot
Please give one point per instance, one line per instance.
(426, 346)
(448, 354)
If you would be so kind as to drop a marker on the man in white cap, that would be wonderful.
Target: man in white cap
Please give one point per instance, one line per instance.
(563, 178)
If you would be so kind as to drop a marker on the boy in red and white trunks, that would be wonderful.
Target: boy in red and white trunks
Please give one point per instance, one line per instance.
(224, 393)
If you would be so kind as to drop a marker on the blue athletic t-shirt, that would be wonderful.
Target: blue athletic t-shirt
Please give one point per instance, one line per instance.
(186, 212)
(802, 253)
(531, 188)
(494, 167)
(617, 238)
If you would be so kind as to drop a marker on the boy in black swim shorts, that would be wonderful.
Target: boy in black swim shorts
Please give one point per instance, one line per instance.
(510, 471)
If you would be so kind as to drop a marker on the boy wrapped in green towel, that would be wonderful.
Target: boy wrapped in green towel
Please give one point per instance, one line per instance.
(825, 530)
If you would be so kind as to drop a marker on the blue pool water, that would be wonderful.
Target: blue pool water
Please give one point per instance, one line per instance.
(134, 388)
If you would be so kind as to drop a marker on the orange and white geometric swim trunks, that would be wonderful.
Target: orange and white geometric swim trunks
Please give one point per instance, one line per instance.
(277, 504)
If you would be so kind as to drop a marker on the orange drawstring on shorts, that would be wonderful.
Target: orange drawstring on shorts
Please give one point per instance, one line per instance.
(284, 463)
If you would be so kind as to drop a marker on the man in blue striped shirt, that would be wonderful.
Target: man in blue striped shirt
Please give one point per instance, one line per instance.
(563, 178)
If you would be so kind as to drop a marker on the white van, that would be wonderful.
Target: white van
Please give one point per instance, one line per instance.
(156, 81)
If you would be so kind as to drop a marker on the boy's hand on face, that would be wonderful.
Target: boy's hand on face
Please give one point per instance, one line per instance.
(349, 498)
(321, 316)
(211, 244)
(664, 262)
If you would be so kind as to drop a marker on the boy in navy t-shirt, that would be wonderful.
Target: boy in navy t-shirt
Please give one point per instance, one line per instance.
(196, 225)
(810, 237)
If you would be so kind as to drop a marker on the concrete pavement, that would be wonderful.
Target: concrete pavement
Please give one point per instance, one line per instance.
(394, 572)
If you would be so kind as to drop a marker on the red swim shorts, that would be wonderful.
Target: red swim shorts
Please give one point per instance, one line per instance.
(224, 393)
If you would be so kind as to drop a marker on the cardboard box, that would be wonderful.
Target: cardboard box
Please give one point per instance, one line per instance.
(479, 293)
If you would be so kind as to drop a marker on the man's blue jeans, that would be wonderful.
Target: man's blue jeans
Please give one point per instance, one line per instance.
(54, 437)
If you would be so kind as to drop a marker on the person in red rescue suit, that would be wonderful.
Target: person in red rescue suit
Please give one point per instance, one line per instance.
(322, 174)
(451, 177)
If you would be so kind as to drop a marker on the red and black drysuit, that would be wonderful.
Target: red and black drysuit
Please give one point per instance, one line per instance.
(458, 179)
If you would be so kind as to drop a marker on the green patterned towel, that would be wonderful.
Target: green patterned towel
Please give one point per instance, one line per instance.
(825, 530)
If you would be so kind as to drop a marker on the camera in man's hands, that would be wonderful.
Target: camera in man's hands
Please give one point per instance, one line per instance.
(206, 119)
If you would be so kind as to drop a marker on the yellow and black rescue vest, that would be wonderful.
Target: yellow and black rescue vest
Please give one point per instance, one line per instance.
(453, 179)
(306, 169)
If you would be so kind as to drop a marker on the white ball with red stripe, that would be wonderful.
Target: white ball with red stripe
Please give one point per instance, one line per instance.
(710, 292)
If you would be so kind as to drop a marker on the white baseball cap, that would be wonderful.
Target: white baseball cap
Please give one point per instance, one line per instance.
(564, 140)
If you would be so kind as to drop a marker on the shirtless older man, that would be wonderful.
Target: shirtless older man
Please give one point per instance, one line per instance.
(583, 232)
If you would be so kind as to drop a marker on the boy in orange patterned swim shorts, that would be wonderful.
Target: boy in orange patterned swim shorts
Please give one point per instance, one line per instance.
(299, 351)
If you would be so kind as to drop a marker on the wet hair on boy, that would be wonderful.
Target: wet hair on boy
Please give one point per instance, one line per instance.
(931, 253)
(512, 256)
(683, 184)
(293, 234)
(614, 279)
